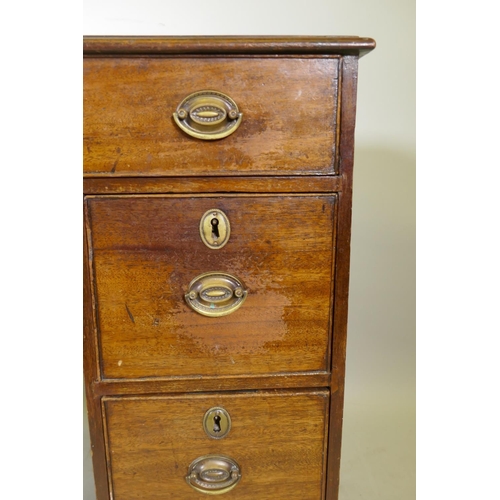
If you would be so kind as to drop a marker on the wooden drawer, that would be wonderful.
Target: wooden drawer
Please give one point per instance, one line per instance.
(278, 441)
(147, 249)
(289, 124)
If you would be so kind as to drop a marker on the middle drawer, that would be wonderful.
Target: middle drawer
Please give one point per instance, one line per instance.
(146, 250)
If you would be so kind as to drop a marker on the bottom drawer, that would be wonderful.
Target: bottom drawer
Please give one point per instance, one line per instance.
(275, 447)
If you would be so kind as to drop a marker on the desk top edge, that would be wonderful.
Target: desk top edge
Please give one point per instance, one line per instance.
(193, 45)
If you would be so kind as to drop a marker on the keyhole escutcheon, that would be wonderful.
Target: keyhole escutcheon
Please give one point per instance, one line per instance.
(217, 422)
(215, 228)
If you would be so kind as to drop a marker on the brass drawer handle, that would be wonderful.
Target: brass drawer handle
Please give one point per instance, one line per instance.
(208, 115)
(215, 294)
(213, 474)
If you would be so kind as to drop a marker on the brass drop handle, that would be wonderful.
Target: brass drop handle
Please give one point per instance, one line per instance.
(213, 474)
(215, 294)
(208, 115)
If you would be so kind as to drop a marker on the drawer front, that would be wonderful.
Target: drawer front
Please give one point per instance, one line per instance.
(147, 249)
(289, 108)
(277, 441)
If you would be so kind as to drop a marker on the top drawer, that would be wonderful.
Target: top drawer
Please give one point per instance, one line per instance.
(289, 108)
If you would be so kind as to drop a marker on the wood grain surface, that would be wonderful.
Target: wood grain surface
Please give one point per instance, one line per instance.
(91, 375)
(147, 249)
(209, 45)
(289, 108)
(277, 439)
(202, 383)
(240, 184)
(349, 92)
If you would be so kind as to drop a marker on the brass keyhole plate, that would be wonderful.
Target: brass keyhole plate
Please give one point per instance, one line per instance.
(215, 228)
(217, 423)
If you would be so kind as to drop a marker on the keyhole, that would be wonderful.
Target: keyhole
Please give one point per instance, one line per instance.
(215, 228)
(217, 423)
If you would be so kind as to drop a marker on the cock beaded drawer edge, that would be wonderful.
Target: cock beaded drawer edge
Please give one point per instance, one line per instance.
(217, 214)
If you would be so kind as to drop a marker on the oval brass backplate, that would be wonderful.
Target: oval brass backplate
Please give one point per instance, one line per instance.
(213, 474)
(217, 423)
(215, 228)
(215, 294)
(208, 115)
